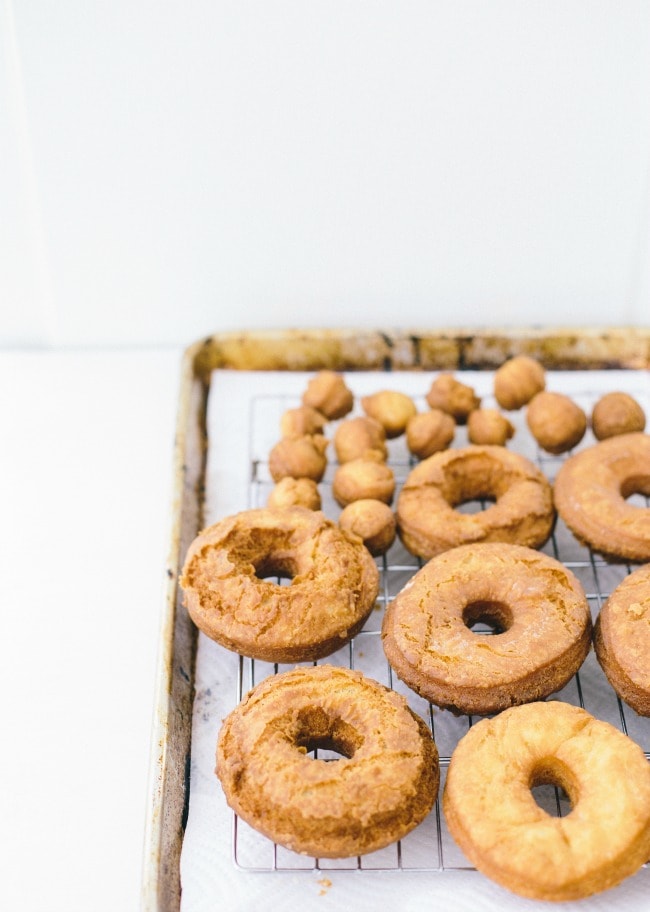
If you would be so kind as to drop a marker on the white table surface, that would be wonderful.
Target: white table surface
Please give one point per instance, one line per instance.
(85, 501)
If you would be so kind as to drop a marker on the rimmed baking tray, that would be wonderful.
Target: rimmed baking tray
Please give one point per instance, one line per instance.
(593, 348)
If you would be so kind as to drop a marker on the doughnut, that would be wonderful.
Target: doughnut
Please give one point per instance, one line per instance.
(428, 522)
(365, 478)
(373, 521)
(304, 419)
(429, 432)
(590, 494)
(493, 816)
(334, 583)
(450, 395)
(556, 422)
(299, 457)
(391, 409)
(295, 492)
(383, 785)
(489, 426)
(358, 438)
(328, 393)
(536, 607)
(622, 640)
(517, 381)
(616, 413)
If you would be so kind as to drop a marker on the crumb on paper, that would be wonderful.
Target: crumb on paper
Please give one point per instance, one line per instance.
(325, 883)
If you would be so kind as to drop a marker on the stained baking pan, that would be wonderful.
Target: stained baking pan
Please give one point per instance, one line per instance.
(566, 349)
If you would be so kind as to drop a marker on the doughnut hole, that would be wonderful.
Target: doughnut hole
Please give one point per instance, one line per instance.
(496, 616)
(373, 521)
(556, 422)
(554, 787)
(323, 735)
(635, 484)
(616, 413)
(275, 565)
(363, 479)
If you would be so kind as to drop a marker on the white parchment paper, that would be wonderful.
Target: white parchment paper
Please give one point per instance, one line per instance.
(228, 866)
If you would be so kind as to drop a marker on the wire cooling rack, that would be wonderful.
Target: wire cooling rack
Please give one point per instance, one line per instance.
(429, 847)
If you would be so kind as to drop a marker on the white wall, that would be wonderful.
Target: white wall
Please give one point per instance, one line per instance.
(169, 169)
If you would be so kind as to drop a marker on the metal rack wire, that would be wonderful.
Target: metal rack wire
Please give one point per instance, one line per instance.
(430, 847)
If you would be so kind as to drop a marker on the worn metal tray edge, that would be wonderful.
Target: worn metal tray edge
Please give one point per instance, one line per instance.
(564, 348)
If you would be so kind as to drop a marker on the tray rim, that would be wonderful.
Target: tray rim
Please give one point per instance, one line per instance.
(310, 349)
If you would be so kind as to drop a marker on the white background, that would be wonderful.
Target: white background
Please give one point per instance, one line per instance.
(169, 169)
(172, 169)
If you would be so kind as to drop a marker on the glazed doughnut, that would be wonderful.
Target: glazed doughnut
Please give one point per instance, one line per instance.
(384, 784)
(428, 522)
(590, 495)
(536, 606)
(622, 640)
(334, 583)
(494, 818)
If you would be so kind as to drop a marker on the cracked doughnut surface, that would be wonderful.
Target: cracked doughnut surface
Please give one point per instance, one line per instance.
(535, 605)
(622, 639)
(333, 584)
(590, 495)
(383, 785)
(494, 818)
(429, 523)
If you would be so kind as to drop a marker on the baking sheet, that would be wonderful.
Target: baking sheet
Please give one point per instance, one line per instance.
(220, 861)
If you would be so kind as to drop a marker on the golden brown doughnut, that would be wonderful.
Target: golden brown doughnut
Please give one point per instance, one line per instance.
(295, 492)
(299, 457)
(590, 493)
(373, 521)
(517, 381)
(622, 639)
(428, 522)
(384, 784)
(536, 606)
(357, 438)
(334, 583)
(556, 422)
(450, 395)
(494, 818)
(489, 426)
(616, 413)
(391, 409)
(361, 479)
(327, 392)
(304, 419)
(429, 432)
